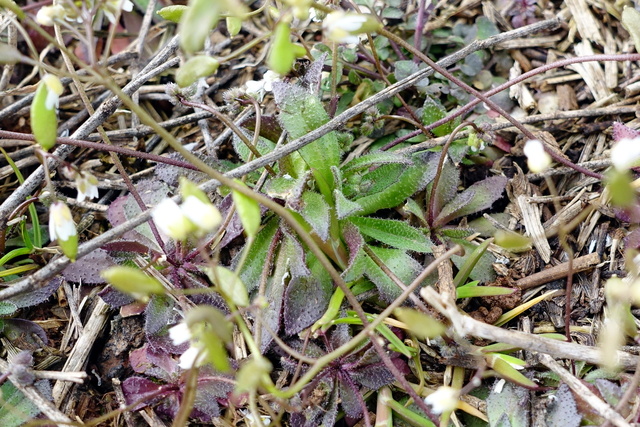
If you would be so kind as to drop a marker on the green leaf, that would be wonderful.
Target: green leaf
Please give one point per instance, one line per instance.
(376, 158)
(44, 117)
(393, 233)
(508, 406)
(512, 241)
(300, 113)
(483, 269)
(508, 372)
(15, 408)
(432, 111)
(317, 213)
(411, 179)
(473, 291)
(133, 282)
(230, 285)
(249, 212)
(194, 68)
(196, 23)
(344, 206)
(400, 263)
(7, 308)
(421, 325)
(172, 13)
(257, 256)
(469, 264)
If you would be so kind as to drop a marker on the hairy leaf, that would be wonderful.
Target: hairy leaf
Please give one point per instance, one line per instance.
(300, 113)
(159, 315)
(563, 411)
(88, 268)
(400, 263)
(316, 212)
(15, 408)
(508, 405)
(479, 196)
(397, 234)
(345, 207)
(256, 258)
(375, 158)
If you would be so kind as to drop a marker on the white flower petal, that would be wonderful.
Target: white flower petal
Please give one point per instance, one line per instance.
(205, 216)
(537, 159)
(61, 225)
(169, 218)
(444, 399)
(180, 333)
(625, 153)
(193, 357)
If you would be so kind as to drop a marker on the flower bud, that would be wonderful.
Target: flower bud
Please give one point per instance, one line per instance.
(63, 229)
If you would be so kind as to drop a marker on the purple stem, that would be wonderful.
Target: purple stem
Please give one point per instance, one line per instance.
(102, 147)
(417, 41)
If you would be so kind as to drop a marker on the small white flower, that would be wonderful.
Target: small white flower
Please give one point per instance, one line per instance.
(61, 225)
(47, 15)
(111, 8)
(343, 27)
(625, 154)
(87, 186)
(258, 88)
(250, 420)
(54, 90)
(180, 333)
(537, 159)
(170, 219)
(191, 358)
(445, 399)
(205, 216)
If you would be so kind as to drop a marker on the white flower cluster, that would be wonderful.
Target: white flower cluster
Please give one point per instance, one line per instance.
(625, 154)
(48, 15)
(258, 88)
(194, 356)
(192, 217)
(538, 160)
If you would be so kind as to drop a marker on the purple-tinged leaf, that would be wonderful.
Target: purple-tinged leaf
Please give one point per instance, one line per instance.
(159, 316)
(209, 390)
(38, 295)
(154, 363)
(21, 329)
(632, 240)
(562, 409)
(312, 78)
(350, 398)
(144, 391)
(447, 185)
(612, 393)
(115, 298)
(88, 268)
(306, 299)
(126, 246)
(477, 197)
(125, 208)
(622, 131)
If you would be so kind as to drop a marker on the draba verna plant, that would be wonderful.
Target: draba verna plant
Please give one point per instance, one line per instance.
(302, 213)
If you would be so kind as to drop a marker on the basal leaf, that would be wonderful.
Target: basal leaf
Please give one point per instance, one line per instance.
(400, 263)
(300, 113)
(397, 234)
(468, 291)
(306, 299)
(345, 207)
(256, 258)
(477, 197)
(432, 111)
(375, 158)
(7, 308)
(563, 411)
(483, 270)
(508, 405)
(38, 295)
(15, 408)
(316, 212)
